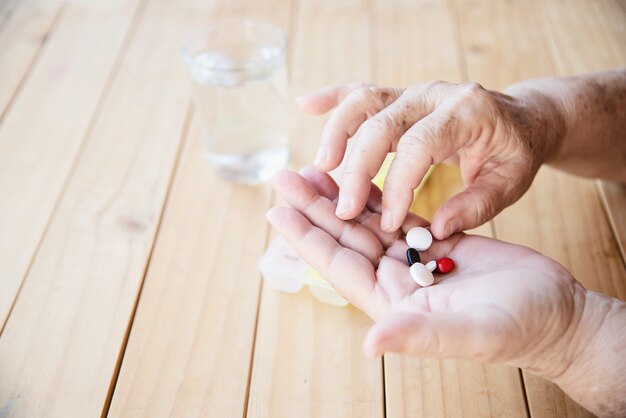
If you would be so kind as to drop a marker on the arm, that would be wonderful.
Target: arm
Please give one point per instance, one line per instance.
(589, 113)
(596, 375)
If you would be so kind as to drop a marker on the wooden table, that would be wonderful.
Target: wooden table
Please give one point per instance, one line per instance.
(128, 280)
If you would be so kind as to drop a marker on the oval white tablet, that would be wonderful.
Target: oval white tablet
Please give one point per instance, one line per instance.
(421, 275)
(419, 238)
(431, 265)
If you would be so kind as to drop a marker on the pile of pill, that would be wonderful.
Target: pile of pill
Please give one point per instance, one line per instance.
(420, 239)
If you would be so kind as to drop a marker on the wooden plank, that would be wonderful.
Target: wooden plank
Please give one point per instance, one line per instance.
(190, 348)
(418, 42)
(583, 36)
(308, 359)
(501, 48)
(614, 200)
(415, 42)
(24, 29)
(600, 45)
(596, 45)
(61, 345)
(195, 322)
(42, 135)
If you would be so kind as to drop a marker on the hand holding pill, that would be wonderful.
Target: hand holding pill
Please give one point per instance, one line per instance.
(464, 296)
(513, 305)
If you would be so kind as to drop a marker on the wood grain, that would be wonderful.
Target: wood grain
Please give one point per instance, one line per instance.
(94, 106)
(24, 29)
(583, 37)
(308, 360)
(560, 216)
(190, 348)
(599, 47)
(43, 133)
(497, 64)
(417, 41)
(614, 200)
(191, 342)
(60, 347)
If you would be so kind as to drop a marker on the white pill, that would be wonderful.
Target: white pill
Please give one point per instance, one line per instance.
(421, 275)
(431, 265)
(419, 238)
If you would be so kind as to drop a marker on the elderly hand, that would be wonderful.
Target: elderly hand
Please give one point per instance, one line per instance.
(498, 141)
(502, 302)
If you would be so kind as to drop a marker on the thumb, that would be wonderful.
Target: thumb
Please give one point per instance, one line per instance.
(462, 335)
(474, 206)
(323, 100)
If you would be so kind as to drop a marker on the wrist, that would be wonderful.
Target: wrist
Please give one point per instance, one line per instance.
(588, 361)
(543, 118)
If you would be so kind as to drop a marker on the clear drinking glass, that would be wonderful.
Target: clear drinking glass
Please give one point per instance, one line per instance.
(240, 92)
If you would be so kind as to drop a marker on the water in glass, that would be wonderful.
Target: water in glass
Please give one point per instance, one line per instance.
(243, 110)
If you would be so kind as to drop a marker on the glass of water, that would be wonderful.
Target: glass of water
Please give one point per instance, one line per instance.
(240, 92)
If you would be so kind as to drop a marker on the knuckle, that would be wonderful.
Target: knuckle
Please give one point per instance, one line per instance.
(473, 86)
(357, 85)
(413, 90)
(435, 84)
(360, 94)
(398, 191)
(423, 135)
(354, 170)
(468, 92)
(484, 208)
(395, 185)
(377, 124)
(386, 96)
(471, 90)
(412, 145)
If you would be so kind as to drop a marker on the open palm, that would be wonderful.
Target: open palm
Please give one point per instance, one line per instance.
(502, 302)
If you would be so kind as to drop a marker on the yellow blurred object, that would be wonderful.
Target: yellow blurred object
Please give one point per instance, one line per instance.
(379, 179)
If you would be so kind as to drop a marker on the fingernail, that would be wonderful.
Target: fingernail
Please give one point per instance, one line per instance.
(386, 221)
(322, 156)
(343, 207)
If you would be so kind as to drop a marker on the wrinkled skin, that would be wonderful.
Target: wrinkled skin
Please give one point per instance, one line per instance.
(501, 303)
(498, 141)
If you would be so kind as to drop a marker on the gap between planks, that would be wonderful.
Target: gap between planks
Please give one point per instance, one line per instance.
(137, 13)
(268, 235)
(294, 8)
(184, 140)
(31, 64)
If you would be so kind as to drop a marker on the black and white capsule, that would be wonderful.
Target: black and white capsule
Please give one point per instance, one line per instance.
(412, 256)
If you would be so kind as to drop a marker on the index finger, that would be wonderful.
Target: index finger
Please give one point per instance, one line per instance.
(347, 271)
(374, 139)
(321, 101)
(357, 106)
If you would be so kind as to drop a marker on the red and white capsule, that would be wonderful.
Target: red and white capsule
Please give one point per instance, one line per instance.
(444, 265)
